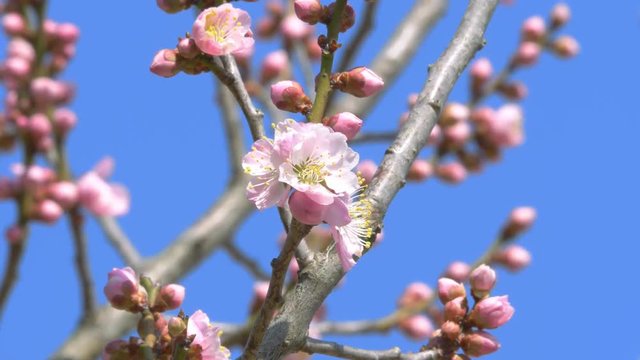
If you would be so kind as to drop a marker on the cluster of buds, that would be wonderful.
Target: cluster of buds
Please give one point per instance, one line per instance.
(465, 328)
(515, 257)
(313, 12)
(190, 337)
(417, 296)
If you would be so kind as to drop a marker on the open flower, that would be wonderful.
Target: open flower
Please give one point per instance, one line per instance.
(262, 164)
(206, 343)
(222, 30)
(98, 196)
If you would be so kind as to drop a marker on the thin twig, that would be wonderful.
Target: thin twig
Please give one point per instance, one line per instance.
(314, 346)
(297, 232)
(247, 262)
(120, 241)
(76, 222)
(369, 137)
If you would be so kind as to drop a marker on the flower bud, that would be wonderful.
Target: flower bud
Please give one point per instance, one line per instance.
(17, 68)
(173, 6)
(187, 48)
(288, 96)
(453, 113)
(481, 70)
(65, 193)
(165, 63)
(492, 312)
(434, 136)
(64, 120)
(348, 16)
(39, 126)
(482, 280)
(274, 65)
(514, 257)
(260, 290)
(417, 327)
(306, 210)
(449, 289)
(456, 309)
(67, 33)
(458, 134)
(533, 29)
(415, 294)
(527, 54)
(314, 51)
(520, 220)
(453, 172)
(451, 330)
(14, 234)
(47, 211)
(176, 326)
(345, 123)
(7, 188)
(14, 24)
(116, 350)
(412, 99)
(123, 290)
(419, 170)
(515, 90)
(479, 343)
(309, 11)
(367, 169)
(359, 82)
(170, 297)
(21, 48)
(295, 29)
(565, 47)
(560, 15)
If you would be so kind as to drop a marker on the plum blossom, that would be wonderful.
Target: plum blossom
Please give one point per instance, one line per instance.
(98, 196)
(352, 237)
(223, 30)
(206, 343)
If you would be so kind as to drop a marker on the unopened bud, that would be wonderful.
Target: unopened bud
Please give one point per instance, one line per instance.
(173, 6)
(348, 16)
(289, 96)
(566, 47)
(47, 211)
(451, 330)
(560, 15)
(533, 29)
(514, 257)
(520, 220)
(527, 54)
(274, 65)
(449, 289)
(415, 294)
(14, 234)
(420, 170)
(456, 309)
(14, 24)
(309, 11)
(305, 209)
(417, 327)
(482, 280)
(165, 63)
(453, 113)
(64, 193)
(170, 297)
(187, 48)
(492, 312)
(295, 29)
(453, 172)
(359, 82)
(64, 120)
(481, 70)
(176, 326)
(479, 343)
(345, 123)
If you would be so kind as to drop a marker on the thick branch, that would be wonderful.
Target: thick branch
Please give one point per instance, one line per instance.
(285, 334)
(313, 346)
(183, 255)
(396, 53)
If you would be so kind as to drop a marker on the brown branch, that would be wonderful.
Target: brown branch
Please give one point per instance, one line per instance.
(396, 53)
(120, 241)
(243, 259)
(314, 346)
(297, 232)
(286, 332)
(76, 222)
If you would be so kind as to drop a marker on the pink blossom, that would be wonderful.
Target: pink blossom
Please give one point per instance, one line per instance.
(417, 327)
(221, 30)
(415, 294)
(492, 312)
(534, 28)
(346, 123)
(367, 170)
(481, 70)
(274, 65)
(123, 290)
(14, 24)
(514, 257)
(98, 196)
(64, 193)
(352, 238)
(449, 289)
(206, 342)
(295, 29)
(165, 63)
(262, 164)
(482, 279)
(458, 271)
(479, 343)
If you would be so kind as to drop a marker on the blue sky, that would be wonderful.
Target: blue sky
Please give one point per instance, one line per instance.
(578, 167)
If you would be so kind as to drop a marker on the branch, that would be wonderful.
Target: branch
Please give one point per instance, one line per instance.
(396, 53)
(286, 333)
(297, 232)
(183, 255)
(363, 31)
(374, 137)
(120, 241)
(76, 222)
(313, 346)
(243, 259)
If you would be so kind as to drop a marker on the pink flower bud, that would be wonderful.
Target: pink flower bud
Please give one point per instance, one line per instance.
(14, 24)
(522, 217)
(479, 343)
(64, 120)
(260, 290)
(458, 271)
(39, 126)
(434, 136)
(482, 280)
(305, 210)
(415, 294)
(187, 48)
(453, 113)
(274, 65)
(65, 193)
(123, 290)
(566, 47)
(173, 6)
(50, 27)
(417, 327)
(359, 82)
(403, 119)
(481, 70)
(367, 170)
(295, 29)
(451, 330)
(176, 326)
(309, 11)
(67, 33)
(47, 211)
(165, 63)
(516, 90)
(348, 16)
(313, 49)
(14, 234)
(21, 48)
(527, 54)
(560, 15)
(7, 188)
(456, 309)
(449, 289)
(412, 99)
(170, 297)
(17, 68)
(453, 172)
(345, 123)
(419, 170)
(458, 134)
(289, 96)
(492, 312)
(514, 257)
(47, 91)
(533, 29)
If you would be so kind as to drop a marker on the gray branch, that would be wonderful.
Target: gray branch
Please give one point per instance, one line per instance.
(120, 241)
(183, 255)
(396, 53)
(313, 346)
(287, 332)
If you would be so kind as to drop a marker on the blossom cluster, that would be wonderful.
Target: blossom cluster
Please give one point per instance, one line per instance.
(192, 337)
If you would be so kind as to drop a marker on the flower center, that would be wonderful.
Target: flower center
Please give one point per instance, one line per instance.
(220, 25)
(310, 173)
